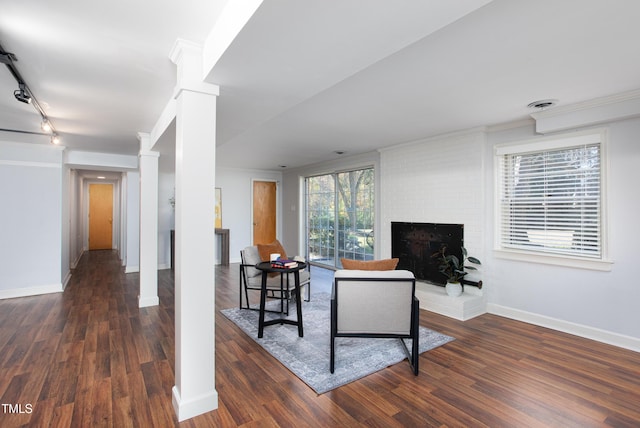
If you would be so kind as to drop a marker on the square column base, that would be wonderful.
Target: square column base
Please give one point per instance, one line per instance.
(144, 302)
(187, 409)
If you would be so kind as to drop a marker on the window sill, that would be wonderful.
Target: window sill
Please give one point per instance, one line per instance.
(523, 256)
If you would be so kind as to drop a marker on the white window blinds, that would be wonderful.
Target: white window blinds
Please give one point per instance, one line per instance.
(550, 198)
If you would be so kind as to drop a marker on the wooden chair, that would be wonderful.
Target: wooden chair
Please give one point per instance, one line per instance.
(375, 304)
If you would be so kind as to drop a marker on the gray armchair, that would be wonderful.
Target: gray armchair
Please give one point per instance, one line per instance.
(278, 286)
(375, 304)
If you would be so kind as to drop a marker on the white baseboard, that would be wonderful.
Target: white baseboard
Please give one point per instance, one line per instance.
(131, 269)
(66, 280)
(192, 408)
(31, 291)
(604, 336)
(144, 302)
(74, 264)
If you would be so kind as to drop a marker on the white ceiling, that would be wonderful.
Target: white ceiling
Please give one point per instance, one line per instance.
(306, 78)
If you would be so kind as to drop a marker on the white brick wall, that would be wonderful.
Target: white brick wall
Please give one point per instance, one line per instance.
(440, 180)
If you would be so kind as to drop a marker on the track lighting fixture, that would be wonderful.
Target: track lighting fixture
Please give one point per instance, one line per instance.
(46, 125)
(22, 94)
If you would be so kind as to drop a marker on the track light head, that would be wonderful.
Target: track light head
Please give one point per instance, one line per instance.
(55, 139)
(46, 125)
(22, 94)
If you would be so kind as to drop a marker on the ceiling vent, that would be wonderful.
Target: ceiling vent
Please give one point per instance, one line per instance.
(542, 104)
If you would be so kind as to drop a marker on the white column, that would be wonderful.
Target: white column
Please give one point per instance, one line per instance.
(133, 222)
(194, 392)
(148, 224)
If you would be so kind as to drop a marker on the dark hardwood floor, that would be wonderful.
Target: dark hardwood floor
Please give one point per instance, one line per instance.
(89, 357)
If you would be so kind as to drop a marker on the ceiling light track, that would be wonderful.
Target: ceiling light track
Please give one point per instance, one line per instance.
(24, 94)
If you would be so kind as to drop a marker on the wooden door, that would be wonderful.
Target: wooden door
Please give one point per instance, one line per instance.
(100, 216)
(264, 212)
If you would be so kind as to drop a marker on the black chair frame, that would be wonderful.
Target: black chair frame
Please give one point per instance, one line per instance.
(414, 333)
(284, 295)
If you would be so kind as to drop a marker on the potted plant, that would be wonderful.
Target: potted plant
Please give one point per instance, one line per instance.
(451, 267)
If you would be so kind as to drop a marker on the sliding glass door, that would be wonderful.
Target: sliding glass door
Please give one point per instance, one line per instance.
(340, 216)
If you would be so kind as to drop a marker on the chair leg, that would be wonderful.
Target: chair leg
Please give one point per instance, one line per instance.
(243, 287)
(415, 328)
(415, 355)
(282, 294)
(333, 357)
(308, 285)
(334, 329)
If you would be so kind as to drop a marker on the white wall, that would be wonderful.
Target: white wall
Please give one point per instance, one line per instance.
(76, 222)
(236, 188)
(435, 181)
(31, 218)
(65, 247)
(578, 300)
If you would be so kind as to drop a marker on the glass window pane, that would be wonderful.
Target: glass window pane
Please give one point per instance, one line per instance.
(343, 204)
(550, 201)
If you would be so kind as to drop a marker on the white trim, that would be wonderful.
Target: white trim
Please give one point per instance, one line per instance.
(187, 409)
(589, 104)
(131, 269)
(66, 280)
(228, 25)
(436, 138)
(587, 332)
(31, 291)
(74, 264)
(144, 302)
(597, 111)
(505, 126)
(552, 259)
(590, 136)
(167, 116)
(33, 164)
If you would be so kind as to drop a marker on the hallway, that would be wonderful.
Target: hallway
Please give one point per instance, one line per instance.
(88, 356)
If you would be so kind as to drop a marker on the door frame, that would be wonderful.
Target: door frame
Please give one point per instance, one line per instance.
(99, 214)
(115, 225)
(278, 204)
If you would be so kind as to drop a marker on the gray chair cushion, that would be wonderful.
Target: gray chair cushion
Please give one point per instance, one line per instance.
(251, 257)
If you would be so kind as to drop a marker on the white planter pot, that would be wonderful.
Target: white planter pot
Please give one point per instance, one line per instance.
(454, 289)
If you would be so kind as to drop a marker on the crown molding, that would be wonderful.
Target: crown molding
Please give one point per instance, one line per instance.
(589, 104)
(588, 113)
